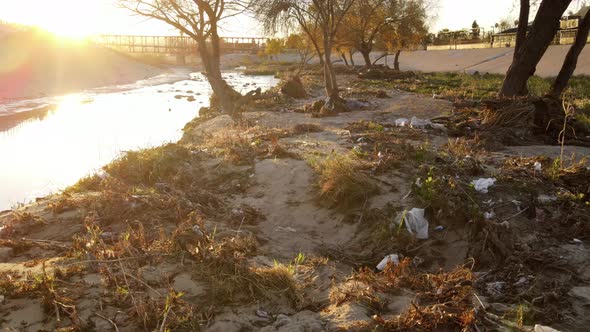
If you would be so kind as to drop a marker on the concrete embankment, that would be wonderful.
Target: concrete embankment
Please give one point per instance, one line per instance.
(495, 61)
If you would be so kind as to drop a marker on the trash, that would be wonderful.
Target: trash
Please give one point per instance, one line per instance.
(541, 328)
(545, 199)
(285, 229)
(578, 241)
(538, 167)
(417, 261)
(439, 228)
(517, 204)
(1, 299)
(361, 139)
(489, 215)
(197, 230)
(393, 258)
(419, 123)
(419, 183)
(402, 122)
(416, 223)
(495, 287)
(482, 185)
(263, 314)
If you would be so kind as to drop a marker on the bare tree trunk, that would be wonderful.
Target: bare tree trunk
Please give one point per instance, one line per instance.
(571, 60)
(523, 24)
(350, 54)
(329, 75)
(396, 60)
(343, 57)
(367, 57)
(534, 47)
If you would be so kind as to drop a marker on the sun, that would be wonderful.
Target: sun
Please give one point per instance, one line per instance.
(75, 19)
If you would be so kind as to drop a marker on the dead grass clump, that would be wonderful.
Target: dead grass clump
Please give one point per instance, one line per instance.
(276, 282)
(443, 300)
(151, 166)
(342, 181)
(235, 148)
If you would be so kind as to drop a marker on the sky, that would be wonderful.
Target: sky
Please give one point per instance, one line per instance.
(84, 17)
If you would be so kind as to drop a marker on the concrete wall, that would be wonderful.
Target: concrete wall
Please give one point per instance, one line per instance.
(458, 47)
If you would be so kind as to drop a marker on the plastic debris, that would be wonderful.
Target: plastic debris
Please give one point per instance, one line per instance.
(578, 241)
(545, 199)
(393, 258)
(263, 314)
(495, 287)
(285, 229)
(439, 228)
(482, 185)
(197, 230)
(402, 122)
(541, 328)
(489, 215)
(416, 223)
(538, 167)
(419, 123)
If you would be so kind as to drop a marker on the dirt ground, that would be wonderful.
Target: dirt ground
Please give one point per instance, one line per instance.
(278, 224)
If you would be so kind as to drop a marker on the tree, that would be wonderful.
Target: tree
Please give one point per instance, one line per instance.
(475, 30)
(363, 24)
(525, 8)
(571, 59)
(533, 47)
(274, 47)
(301, 44)
(407, 31)
(198, 19)
(327, 15)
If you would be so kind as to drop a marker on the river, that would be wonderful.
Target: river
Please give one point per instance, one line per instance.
(47, 144)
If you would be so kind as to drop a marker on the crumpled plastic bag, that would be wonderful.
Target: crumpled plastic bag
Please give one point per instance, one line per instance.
(415, 223)
(419, 123)
(402, 122)
(389, 258)
(482, 185)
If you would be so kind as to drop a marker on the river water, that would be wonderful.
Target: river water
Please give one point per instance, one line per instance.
(69, 137)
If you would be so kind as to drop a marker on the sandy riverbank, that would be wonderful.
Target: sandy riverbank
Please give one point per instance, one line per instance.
(278, 223)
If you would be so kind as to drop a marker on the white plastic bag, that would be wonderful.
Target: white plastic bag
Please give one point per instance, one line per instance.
(419, 123)
(416, 223)
(482, 185)
(393, 258)
(402, 122)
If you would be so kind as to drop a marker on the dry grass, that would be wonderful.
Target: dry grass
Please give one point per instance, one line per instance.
(342, 180)
(443, 300)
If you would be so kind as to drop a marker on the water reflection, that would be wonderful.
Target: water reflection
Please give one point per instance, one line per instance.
(56, 147)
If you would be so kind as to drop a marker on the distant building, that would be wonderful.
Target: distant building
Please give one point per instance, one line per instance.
(566, 35)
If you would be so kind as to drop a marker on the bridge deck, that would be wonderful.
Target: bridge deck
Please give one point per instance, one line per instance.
(174, 45)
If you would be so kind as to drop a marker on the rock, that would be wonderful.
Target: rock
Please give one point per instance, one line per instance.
(381, 94)
(294, 88)
(191, 98)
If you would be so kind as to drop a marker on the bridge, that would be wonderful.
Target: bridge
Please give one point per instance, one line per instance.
(174, 45)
